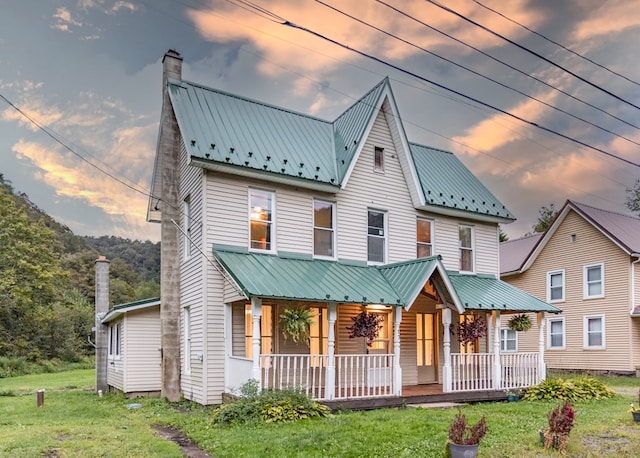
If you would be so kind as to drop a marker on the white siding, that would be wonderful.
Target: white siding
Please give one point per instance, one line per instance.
(142, 341)
(116, 367)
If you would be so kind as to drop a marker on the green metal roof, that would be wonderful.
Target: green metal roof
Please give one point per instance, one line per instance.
(485, 292)
(121, 309)
(409, 277)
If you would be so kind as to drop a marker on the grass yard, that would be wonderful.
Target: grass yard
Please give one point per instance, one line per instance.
(74, 422)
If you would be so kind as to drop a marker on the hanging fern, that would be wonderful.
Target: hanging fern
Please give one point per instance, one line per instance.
(295, 322)
(520, 322)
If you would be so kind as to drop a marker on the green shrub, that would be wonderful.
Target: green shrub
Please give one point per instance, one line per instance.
(269, 406)
(575, 389)
(16, 366)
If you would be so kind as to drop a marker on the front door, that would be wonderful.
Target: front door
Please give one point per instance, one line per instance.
(425, 333)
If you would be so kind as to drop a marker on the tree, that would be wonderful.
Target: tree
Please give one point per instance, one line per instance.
(546, 215)
(502, 236)
(633, 198)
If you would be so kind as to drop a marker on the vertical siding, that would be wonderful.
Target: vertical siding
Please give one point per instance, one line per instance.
(590, 247)
(143, 350)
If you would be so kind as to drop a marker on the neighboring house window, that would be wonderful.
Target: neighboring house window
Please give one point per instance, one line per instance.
(466, 248)
(594, 332)
(424, 240)
(187, 339)
(261, 217)
(324, 233)
(594, 281)
(266, 331)
(378, 159)
(508, 340)
(555, 286)
(555, 333)
(376, 236)
(114, 340)
(187, 226)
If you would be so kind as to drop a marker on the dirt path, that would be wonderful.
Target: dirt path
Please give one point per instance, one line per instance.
(188, 447)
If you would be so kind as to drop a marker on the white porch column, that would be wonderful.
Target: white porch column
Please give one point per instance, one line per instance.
(497, 367)
(330, 382)
(397, 369)
(256, 315)
(542, 367)
(447, 382)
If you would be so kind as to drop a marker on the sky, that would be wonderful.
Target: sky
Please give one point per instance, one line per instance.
(89, 73)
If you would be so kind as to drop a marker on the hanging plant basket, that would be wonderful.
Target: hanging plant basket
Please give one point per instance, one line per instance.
(295, 322)
(366, 325)
(520, 323)
(469, 331)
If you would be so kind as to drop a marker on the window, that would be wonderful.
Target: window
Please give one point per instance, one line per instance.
(424, 241)
(323, 229)
(594, 281)
(266, 329)
(382, 344)
(319, 336)
(594, 332)
(187, 339)
(555, 333)
(114, 340)
(508, 340)
(186, 209)
(378, 159)
(261, 217)
(376, 237)
(466, 248)
(555, 286)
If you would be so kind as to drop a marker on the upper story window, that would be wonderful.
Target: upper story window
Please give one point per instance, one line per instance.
(466, 248)
(424, 238)
(378, 159)
(594, 281)
(508, 339)
(114, 340)
(555, 286)
(262, 219)
(594, 332)
(186, 210)
(324, 234)
(376, 237)
(555, 334)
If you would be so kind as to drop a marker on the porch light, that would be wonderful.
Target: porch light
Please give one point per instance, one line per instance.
(378, 307)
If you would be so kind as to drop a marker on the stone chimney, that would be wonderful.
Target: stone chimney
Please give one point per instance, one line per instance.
(102, 307)
(169, 155)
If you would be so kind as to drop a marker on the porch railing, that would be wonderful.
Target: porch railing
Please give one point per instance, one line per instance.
(306, 372)
(519, 370)
(471, 371)
(364, 376)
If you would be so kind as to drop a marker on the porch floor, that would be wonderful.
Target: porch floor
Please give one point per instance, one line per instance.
(417, 394)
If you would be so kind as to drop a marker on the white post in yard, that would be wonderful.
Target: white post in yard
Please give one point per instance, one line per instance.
(447, 383)
(542, 367)
(256, 315)
(497, 367)
(397, 369)
(330, 387)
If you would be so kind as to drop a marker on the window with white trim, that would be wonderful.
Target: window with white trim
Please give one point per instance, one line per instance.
(424, 237)
(555, 286)
(555, 334)
(187, 339)
(324, 234)
(378, 159)
(466, 248)
(114, 340)
(186, 210)
(594, 332)
(266, 330)
(319, 336)
(593, 281)
(508, 339)
(261, 220)
(376, 236)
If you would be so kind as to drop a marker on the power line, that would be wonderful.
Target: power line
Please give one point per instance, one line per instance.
(557, 44)
(475, 72)
(511, 67)
(538, 55)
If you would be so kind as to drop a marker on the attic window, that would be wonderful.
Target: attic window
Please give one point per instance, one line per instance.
(378, 159)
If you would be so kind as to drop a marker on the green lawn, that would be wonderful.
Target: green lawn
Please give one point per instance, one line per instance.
(75, 422)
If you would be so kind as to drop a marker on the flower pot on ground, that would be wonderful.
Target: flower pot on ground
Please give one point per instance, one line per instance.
(464, 439)
(635, 411)
(561, 420)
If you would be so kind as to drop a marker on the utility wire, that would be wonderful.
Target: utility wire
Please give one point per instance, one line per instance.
(495, 59)
(538, 55)
(476, 73)
(557, 44)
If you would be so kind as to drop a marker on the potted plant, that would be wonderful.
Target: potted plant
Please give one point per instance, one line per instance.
(365, 325)
(635, 411)
(464, 439)
(295, 322)
(513, 394)
(520, 322)
(469, 331)
(561, 420)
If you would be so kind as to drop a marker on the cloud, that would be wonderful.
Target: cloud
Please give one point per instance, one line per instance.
(63, 15)
(121, 5)
(44, 115)
(608, 17)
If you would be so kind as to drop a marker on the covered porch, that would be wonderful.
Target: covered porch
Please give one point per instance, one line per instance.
(419, 302)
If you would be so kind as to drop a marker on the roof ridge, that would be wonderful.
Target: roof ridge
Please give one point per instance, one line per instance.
(626, 215)
(524, 237)
(359, 100)
(430, 147)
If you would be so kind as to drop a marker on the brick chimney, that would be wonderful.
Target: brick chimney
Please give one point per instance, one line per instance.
(102, 307)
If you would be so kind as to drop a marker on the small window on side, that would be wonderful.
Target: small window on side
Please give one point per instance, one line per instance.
(378, 159)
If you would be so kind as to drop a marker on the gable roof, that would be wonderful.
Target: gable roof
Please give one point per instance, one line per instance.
(623, 230)
(237, 135)
(513, 253)
(121, 309)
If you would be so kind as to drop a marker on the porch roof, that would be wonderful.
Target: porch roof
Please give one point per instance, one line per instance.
(485, 292)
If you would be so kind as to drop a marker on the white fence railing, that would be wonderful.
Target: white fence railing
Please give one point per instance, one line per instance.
(306, 372)
(471, 371)
(519, 370)
(364, 376)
